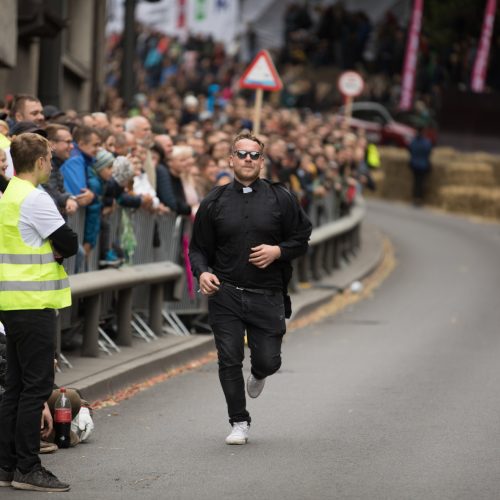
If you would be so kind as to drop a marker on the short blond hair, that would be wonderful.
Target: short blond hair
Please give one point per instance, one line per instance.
(247, 135)
(25, 150)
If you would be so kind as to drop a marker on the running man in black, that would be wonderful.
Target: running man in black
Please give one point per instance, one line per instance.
(245, 235)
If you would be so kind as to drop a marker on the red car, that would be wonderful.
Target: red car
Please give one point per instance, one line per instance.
(379, 126)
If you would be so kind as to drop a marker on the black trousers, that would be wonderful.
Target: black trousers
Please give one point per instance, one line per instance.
(231, 313)
(28, 384)
(419, 181)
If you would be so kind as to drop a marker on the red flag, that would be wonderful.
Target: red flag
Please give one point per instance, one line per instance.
(181, 13)
(410, 64)
(481, 62)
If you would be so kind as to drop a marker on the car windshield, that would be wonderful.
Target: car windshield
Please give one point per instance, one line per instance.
(369, 115)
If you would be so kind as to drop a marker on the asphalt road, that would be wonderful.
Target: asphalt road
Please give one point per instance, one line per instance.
(396, 398)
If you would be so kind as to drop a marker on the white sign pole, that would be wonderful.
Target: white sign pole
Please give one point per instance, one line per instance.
(351, 85)
(348, 106)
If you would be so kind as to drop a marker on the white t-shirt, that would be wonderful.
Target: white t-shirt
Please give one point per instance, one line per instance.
(39, 218)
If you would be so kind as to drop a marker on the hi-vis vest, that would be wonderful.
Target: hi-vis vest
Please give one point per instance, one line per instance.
(372, 156)
(30, 278)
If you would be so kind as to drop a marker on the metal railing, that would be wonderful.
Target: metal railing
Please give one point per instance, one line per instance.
(148, 296)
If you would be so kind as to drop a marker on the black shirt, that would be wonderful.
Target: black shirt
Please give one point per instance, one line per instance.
(230, 222)
(180, 198)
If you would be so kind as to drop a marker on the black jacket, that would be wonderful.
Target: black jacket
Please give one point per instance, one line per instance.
(55, 185)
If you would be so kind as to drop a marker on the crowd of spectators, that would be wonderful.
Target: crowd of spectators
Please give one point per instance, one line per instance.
(167, 165)
(319, 36)
(332, 36)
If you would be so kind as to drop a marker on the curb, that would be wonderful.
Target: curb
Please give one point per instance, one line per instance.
(362, 265)
(118, 377)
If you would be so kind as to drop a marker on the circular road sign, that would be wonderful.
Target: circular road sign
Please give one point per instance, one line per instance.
(350, 83)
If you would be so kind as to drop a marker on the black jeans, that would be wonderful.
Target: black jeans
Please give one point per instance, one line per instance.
(419, 181)
(231, 312)
(28, 384)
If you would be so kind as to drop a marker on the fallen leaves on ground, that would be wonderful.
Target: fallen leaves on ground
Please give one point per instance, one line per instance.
(130, 391)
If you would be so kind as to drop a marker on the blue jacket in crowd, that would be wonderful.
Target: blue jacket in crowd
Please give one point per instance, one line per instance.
(75, 171)
(420, 153)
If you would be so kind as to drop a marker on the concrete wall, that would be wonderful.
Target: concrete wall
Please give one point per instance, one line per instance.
(82, 61)
(23, 77)
(8, 32)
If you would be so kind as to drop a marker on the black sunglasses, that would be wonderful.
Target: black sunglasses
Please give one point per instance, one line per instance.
(242, 154)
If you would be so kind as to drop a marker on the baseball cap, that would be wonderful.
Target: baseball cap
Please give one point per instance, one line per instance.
(25, 126)
(50, 112)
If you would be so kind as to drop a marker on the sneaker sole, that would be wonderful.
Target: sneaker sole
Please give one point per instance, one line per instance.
(32, 487)
(243, 441)
(254, 396)
(48, 450)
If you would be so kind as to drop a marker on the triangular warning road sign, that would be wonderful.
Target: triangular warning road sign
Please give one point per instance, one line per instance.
(261, 74)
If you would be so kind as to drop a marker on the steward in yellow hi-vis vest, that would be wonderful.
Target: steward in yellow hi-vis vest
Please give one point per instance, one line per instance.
(372, 156)
(34, 240)
(30, 277)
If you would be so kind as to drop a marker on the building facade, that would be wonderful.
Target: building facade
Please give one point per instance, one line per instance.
(54, 49)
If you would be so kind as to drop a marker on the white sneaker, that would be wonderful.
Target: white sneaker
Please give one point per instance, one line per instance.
(239, 434)
(255, 386)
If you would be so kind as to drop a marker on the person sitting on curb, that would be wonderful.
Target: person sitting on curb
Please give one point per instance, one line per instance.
(82, 424)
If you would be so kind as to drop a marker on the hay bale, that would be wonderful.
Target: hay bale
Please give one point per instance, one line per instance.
(469, 173)
(478, 157)
(397, 180)
(378, 176)
(481, 201)
(446, 154)
(495, 163)
(392, 153)
(459, 182)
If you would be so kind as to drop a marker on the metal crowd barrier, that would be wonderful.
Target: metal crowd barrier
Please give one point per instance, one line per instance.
(152, 306)
(331, 246)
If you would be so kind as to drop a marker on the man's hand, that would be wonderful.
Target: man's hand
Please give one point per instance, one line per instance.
(146, 201)
(108, 210)
(209, 283)
(71, 206)
(57, 256)
(85, 198)
(161, 209)
(264, 255)
(87, 248)
(47, 423)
